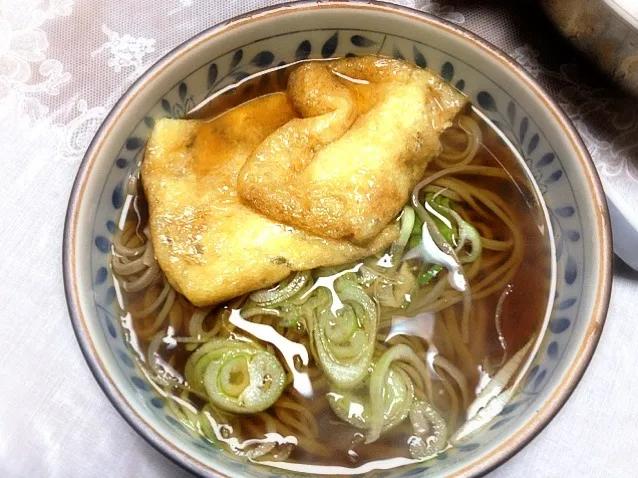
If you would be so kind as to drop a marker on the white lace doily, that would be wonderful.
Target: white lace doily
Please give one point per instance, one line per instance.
(64, 63)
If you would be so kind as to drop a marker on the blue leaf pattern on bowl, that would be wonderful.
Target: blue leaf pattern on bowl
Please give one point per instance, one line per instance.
(303, 50)
(330, 46)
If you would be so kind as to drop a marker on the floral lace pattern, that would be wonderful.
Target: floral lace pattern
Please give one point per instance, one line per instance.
(446, 12)
(23, 52)
(607, 121)
(125, 50)
(441, 10)
(23, 46)
(527, 57)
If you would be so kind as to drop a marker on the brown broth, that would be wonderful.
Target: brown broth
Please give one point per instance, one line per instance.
(522, 317)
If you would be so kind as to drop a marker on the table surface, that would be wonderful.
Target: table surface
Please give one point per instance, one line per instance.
(63, 64)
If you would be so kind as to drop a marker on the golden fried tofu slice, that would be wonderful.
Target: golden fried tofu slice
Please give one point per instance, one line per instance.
(344, 169)
(210, 245)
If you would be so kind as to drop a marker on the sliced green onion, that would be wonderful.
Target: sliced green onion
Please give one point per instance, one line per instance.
(414, 241)
(343, 344)
(395, 291)
(418, 223)
(427, 276)
(354, 409)
(453, 227)
(350, 407)
(439, 202)
(378, 380)
(251, 311)
(437, 207)
(446, 231)
(234, 376)
(407, 224)
(278, 294)
(397, 398)
(467, 234)
(429, 253)
(316, 298)
(343, 328)
(244, 380)
(237, 376)
(291, 314)
(201, 358)
(426, 421)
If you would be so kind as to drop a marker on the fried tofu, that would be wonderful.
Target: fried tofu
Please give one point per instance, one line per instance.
(344, 169)
(211, 245)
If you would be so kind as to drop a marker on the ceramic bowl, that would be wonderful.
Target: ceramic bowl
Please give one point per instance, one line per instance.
(225, 53)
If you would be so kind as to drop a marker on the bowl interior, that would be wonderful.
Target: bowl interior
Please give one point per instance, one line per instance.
(228, 53)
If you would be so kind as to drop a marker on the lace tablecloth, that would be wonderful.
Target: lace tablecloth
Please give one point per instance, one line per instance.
(63, 63)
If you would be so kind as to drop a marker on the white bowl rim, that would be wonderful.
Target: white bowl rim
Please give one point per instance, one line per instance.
(483, 464)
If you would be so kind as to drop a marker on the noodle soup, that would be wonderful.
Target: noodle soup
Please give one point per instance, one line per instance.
(373, 363)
